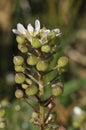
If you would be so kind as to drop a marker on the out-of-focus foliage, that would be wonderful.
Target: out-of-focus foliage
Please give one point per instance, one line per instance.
(70, 17)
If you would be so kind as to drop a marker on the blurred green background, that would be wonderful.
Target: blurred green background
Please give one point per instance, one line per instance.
(70, 17)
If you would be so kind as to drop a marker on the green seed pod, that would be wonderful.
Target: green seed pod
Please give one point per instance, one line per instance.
(32, 60)
(19, 78)
(36, 43)
(30, 91)
(19, 68)
(28, 81)
(57, 89)
(46, 48)
(19, 93)
(2, 112)
(20, 39)
(51, 36)
(42, 66)
(24, 86)
(62, 62)
(18, 60)
(23, 48)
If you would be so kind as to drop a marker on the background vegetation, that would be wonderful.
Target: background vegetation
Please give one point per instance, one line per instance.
(70, 17)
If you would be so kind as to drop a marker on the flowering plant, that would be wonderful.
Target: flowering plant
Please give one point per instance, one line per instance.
(39, 45)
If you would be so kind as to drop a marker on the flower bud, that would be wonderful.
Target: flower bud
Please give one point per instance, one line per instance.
(2, 112)
(42, 66)
(23, 48)
(19, 78)
(19, 93)
(20, 39)
(24, 86)
(36, 43)
(18, 60)
(46, 48)
(32, 60)
(51, 36)
(57, 89)
(19, 68)
(62, 61)
(28, 81)
(30, 91)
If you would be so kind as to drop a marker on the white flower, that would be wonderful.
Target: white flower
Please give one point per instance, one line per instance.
(34, 31)
(20, 29)
(57, 31)
(44, 36)
(46, 32)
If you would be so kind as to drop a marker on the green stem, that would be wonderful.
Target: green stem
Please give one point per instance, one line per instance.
(41, 111)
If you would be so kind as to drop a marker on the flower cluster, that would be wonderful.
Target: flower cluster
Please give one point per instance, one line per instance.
(38, 46)
(31, 33)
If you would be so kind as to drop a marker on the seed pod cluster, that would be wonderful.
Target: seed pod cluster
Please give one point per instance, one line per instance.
(38, 46)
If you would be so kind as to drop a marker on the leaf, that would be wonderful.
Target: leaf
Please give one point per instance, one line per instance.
(74, 85)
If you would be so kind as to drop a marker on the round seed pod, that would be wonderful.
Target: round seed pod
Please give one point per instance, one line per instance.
(51, 35)
(2, 112)
(32, 60)
(28, 81)
(46, 48)
(42, 66)
(19, 68)
(36, 43)
(20, 39)
(30, 91)
(18, 60)
(24, 86)
(62, 62)
(19, 78)
(57, 89)
(19, 93)
(23, 48)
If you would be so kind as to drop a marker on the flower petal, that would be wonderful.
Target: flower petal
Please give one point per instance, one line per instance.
(29, 37)
(21, 28)
(56, 30)
(37, 26)
(44, 36)
(46, 32)
(16, 31)
(30, 28)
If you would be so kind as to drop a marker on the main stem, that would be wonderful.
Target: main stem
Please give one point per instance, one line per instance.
(41, 111)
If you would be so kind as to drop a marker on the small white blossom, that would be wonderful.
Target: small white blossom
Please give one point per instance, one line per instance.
(46, 32)
(44, 39)
(20, 29)
(34, 31)
(57, 31)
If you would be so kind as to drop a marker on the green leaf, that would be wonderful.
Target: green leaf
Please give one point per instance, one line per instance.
(74, 85)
